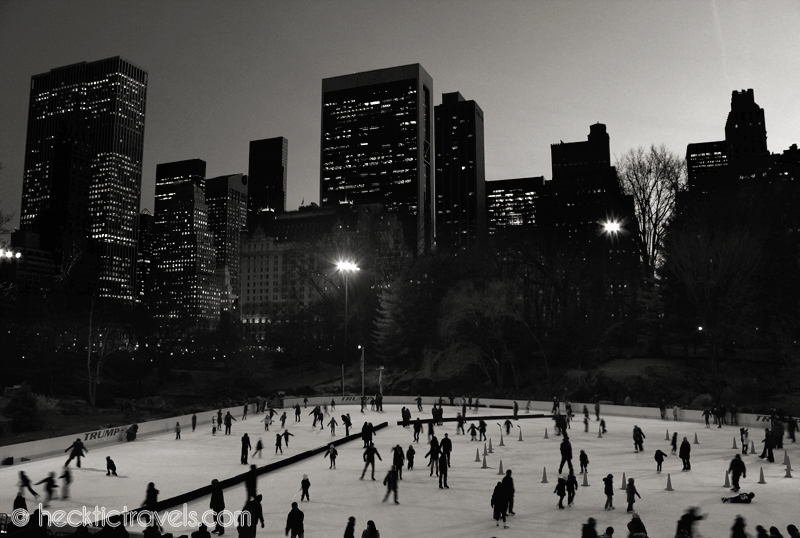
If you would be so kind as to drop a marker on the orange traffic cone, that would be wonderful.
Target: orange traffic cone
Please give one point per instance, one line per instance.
(669, 483)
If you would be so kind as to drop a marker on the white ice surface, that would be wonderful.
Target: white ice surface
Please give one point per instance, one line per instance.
(424, 510)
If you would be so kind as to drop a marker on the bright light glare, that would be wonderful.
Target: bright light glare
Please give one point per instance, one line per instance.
(347, 266)
(612, 226)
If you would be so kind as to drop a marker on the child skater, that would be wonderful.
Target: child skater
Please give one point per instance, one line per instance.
(305, 484)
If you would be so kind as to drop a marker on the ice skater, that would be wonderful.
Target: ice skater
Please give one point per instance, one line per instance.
(638, 439)
(745, 498)
(603, 425)
(278, 443)
(369, 459)
(482, 430)
(111, 467)
(686, 454)
(229, 419)
(630, 491)
(305, 485)
(473, 432)
(283, 420)
(460, 424)
(267, 421)
(76, 451)
(410, 453)
(194, 421)
(251, 483)
(347, 424)
(737, 469)
(584, 460)
(286, 436)
(332, 423)
(244, 412)
(636, 527)
(687, 520)
(508, 425)
(443, 471)
(398, 459)
(608, 489)
(744, 434)
(433, 454)
(572, 487)
(508, 485)
(217, 505)
(331, 453)
(446, 446)
(566, 455)
(417, 429)
(177, 431)
(674, 442)
(516, 410)
(294, 522)
(213, 425)
(390, 481)
(419, 403)
(49, 487)
(25, 483)
(259, 448)
(499, 504)
(297, 412)
(659, 457)
(245, 448)
(561, 491)
(768, 441)
(66, 476)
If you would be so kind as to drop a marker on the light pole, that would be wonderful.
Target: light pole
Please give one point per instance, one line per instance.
(346, 268)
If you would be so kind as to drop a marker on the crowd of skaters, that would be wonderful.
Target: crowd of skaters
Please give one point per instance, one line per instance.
(502, 499)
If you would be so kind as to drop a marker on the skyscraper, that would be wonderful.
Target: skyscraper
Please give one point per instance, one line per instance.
(266, 177)
(460, 173)
(226, 197)
(375, 145)
(86, 125)
(145, 262)
(184, 282)
(511, 206)
(746, 128)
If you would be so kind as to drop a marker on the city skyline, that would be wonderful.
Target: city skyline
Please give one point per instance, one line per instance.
(542, 73)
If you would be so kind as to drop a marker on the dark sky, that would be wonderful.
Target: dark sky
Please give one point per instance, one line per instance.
(224, 73)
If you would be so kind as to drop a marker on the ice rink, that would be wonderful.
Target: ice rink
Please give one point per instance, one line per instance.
(424, 509)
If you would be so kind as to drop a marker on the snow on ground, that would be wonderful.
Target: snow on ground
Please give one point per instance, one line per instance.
(424, 509)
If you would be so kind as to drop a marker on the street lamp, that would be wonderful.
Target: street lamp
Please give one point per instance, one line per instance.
(346, 268)
(612, 227)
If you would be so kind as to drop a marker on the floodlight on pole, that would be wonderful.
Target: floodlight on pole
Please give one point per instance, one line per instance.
(346, 267)
(612, 227)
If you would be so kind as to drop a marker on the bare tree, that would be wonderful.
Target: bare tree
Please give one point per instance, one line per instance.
(653, 177)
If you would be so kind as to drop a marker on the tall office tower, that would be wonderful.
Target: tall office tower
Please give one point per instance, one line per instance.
(266, 175)
(460, 173)
(375, 146)
(184, 283)
(706, 164)
(226, 197)
(585, 190)
(511, 206)
(746, 129)
(144, 258)
(88, 115)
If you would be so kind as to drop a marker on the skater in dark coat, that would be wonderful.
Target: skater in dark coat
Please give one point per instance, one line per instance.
(561, 491)
(286, 436)
(687, 520)
(177, 431)
(631, 493)
(219, 419)
(737, 531)
(67, 478)
(685, 454)
(584, 460)
(19, 502)
(769, 444)
(742, 498)
(49, 487)
(390, 481)
(410, 457)
(572, 487)
(446, 447)
(251, 483)
(417, 429)
(433, 455)
(636, 528)
(217, 505)
(659, 457)
(398, 459)
(369, 459)
(245, 448)
(443, 471)
(25, 483)
(482, 430)
(508, 425)
(566, 455)
(278, 443)
(674, 442)
(151, 496)
(228, 422)
(194, 421)
(508, 485)
(305, 485)
(76, 451)
(111, 467)
(473, 432)
(638, 439)
(350, 529)
(589, 529)
(201, 532)
(259, 448)
(347, 424)
(737, 469)
(500, 504)
(371, 531)
(297, 412)
(608, 489)
(744, 434)
(331, 453)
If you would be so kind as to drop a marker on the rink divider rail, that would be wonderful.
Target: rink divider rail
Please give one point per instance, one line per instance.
(475, 418)
(227, 483)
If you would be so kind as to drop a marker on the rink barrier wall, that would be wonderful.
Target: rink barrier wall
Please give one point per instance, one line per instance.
(746, 420)
(227, 483)
(104, 436)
